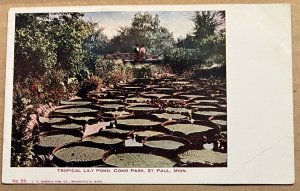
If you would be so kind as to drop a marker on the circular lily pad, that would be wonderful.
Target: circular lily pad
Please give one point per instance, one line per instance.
(205, 101)
(164, 144)
(137, 99)
(51, 120)
(175, 116)
(113, 91)
(187, 128)
(143, 108)
(203, 156)
(57, 140)
(148, 133)
(154, 95)
(103, 140)
(177, 110)
(83, 118)
(172, 99)
(77, 110)
(198, 106)
(106, 100)
(222, 99)
(193, 96)
(124, 84)
(132, 87)
(137, 122)
(75, 102)
(117, 113)
(79, 154)
(138, 104)
(208, 113)
(67, 126)
(219, 122)
(223, 105)
(118, 131)
(112, 106)
(139, 160)
(181, 82)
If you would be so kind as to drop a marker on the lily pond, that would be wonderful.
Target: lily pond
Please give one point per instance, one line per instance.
(165, 122)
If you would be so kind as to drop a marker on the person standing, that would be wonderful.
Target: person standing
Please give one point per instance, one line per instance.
(143, 51)
(137, 49)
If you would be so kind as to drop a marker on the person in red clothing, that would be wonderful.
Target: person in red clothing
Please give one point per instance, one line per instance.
(143, 51)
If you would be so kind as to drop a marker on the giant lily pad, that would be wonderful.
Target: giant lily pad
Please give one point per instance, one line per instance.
(206, 101)
(193, 96)
(137, 122)
(103, 140)
(137, 99)
(208, 113)
(79, 154)
(138, 104)
(132, 88)
(181, 82)
(112, 106)
(142, 108)
(154, 95)
(139, 160)
(57, 140)
(203, 156)
(115, 130)
(83, 118)
(164, 144)
(172, 100)
(198, 106)
(148, 133)
(177, 110)
(118, 113)
(107, 100)
(51, 120)
(67, 126)
(219, 122)
(187, 128)
(77, 110)
(75, 102)
(175, 116)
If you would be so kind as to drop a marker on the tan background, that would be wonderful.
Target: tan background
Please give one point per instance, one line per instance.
(6, 4)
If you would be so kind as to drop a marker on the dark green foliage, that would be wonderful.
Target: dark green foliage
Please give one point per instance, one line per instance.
(182, 59)
(145, 29)
(94, 45)
(34, 49)
(48, 41)
(205, 24)
(203, 48)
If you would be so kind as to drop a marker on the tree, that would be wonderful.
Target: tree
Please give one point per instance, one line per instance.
(204, 47)
(94, 45)
(69, 32)
(145, 29)
(34, 48)
(205, 24)
(47, 41)
(208, 36)
(209, 33)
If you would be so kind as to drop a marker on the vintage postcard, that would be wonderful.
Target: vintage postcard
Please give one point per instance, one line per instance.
(180, 94)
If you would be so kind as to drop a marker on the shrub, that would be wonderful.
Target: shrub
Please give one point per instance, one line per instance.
(113, 71)
(90, 84)
(181, 59)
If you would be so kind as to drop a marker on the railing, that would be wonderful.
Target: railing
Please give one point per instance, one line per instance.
(132, 57)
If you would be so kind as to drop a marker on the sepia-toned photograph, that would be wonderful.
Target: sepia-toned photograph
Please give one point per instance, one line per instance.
(128, 89)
